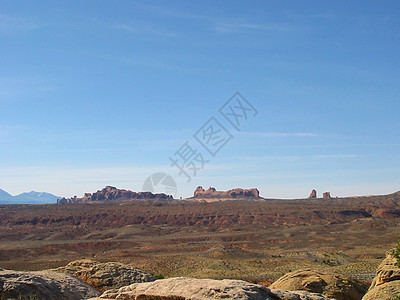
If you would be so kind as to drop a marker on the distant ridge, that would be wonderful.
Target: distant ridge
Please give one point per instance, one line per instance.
(27, 198)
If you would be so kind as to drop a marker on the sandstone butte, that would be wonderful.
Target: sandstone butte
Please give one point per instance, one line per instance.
(326, 195)
(110, 193)
(313, 194)
(234, 193)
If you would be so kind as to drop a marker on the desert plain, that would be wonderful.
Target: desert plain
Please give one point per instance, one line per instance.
(254, 240)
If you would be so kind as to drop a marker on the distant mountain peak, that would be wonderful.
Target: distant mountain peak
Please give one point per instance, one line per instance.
(31, 197)
(34, 193)
(4, 194)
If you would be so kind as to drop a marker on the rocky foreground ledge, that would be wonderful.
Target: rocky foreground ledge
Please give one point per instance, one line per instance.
(44, 285)
(386, 284)
(183, 288)
(86, 279)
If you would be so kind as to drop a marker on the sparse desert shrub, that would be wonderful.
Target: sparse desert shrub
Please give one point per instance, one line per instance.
(159, 276)
(396, 254)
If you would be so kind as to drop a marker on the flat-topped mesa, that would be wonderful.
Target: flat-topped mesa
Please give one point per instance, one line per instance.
(110, 193)
(234, 193)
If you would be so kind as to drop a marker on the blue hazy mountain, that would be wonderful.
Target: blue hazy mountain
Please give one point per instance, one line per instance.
(4, 196)
(27, 198)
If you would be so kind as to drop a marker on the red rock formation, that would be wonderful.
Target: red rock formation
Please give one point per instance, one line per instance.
(235, 193)
(326, 195)
(313, 194)
(110, 193)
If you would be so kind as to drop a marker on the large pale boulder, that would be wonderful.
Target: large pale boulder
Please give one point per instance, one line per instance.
(328, 284)
(105, 276)
(387, 271)
(43, 285)
(385, 291)
(182, 288)
(298, 295)
(386, 284)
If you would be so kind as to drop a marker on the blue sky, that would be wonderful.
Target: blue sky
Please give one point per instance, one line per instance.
(96, 93)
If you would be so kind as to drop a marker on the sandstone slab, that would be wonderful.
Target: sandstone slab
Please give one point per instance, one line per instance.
(385, 291)
(105, 276)
(43, 285)
(328, 284)
(386, 284)
(182, 288)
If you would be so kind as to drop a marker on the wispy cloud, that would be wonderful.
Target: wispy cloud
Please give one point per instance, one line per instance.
(272, 157)
(215, 23)
(166, 11)
(236, 26)
(121, 141)
(278, 134)
(323, 145)
(3, 135)
(145, 29)
(292, 158)
(323, 156)
(13, 87)
(10, 24)
(326, 15)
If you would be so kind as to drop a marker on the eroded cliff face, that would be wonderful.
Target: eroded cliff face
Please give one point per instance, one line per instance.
(110, 193)
(386, 284)
(234, 193)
